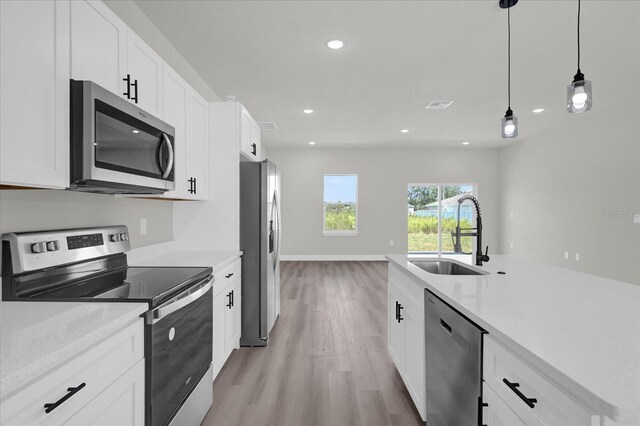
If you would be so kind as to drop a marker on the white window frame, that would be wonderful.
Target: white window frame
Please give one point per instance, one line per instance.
(439, 253)
(345, 233)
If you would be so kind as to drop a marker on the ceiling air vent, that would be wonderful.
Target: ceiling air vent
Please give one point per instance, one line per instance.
(267, 125)
(439, 104)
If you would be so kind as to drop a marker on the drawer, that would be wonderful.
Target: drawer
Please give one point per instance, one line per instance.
(96, 368)
(497, 413)
(413, 292)
(226, 276)
(553, 406)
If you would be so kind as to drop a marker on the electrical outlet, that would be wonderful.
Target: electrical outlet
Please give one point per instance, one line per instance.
(143, 225)
(566, 255)
(577, 257)
(511, 244)
(511, 215)
(636, 218)
(391, 242)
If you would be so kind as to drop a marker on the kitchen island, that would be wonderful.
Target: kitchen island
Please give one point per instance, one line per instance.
(581, 332)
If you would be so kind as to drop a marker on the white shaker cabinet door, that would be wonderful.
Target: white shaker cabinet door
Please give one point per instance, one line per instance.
(396, 339)
(197, 147)
(415, 372)
(122, 403)
(98, 45)
(145, 71)
(34, 93)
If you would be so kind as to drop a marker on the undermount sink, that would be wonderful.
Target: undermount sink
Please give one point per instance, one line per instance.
(445, 267)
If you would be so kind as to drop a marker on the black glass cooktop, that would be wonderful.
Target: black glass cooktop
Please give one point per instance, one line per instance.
(153, 285)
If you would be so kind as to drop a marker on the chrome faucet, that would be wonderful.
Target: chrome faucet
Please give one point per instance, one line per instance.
(457, 245)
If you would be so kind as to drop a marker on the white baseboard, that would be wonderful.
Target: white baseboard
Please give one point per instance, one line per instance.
(331, 257)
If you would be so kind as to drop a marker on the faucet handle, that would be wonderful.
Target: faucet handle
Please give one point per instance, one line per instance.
(485, 256)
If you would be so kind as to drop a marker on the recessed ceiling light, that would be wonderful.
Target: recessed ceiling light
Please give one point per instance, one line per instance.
(312, 143)
(466, 143)
(538, 110)
(404, 130)
(307, 111)
(136, 131)
(335, 44)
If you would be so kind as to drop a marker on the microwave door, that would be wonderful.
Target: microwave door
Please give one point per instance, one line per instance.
(125, 145)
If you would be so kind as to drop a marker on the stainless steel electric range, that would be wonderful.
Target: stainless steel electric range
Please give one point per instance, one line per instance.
(90, 265)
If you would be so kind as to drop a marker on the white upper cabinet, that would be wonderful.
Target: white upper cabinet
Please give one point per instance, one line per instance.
(98, 45)
(249, 136)
(197, 147)
(105, 51)
(34, 93)
(145, 74)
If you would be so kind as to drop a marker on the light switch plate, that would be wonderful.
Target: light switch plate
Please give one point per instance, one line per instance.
(636, 218)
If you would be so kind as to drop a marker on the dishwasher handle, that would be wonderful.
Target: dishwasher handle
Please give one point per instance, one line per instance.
(446, 326)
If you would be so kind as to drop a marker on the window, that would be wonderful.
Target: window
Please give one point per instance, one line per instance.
(340, 205)
(432, 218)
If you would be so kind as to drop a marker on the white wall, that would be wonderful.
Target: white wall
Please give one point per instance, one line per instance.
(574, 189)
(383, 177)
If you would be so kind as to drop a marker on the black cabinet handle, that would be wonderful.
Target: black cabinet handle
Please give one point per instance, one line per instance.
(400, 308)
(229, 305)
(192, 185)
(229, 275)
(134, 98)
(49, 407)
(514, 387)
(254, 149)
(128, 92)
(397, 311)
(232, 299)
(195, 185)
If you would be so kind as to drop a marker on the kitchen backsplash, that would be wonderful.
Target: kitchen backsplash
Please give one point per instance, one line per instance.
(34, 210)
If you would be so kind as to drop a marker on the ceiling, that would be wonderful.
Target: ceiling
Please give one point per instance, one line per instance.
(400, 56)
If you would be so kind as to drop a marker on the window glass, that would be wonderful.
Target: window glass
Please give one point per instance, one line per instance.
(341, 204)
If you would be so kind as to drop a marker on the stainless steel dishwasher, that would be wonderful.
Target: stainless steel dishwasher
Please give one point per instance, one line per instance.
(453, 347)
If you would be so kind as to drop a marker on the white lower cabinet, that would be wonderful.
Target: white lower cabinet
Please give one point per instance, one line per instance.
(406, 334)
(227, 309)
(497, 413)
(528, 393)
(121, 403)
(102, 385)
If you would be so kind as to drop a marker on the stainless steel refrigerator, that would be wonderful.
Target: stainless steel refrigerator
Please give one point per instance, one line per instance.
(260, 244)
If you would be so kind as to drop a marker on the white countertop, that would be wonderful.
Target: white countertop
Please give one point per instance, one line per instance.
(36, 337)
(213, 258)
(580, 330)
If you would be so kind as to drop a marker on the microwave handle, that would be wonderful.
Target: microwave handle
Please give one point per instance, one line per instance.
(167, 171)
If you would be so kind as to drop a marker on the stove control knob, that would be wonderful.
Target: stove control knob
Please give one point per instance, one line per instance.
(123, 237)
(39, 247)
(53, 246)
(114, 237)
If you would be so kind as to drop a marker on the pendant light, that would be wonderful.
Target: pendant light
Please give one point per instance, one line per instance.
(579, 91)
(509, 121)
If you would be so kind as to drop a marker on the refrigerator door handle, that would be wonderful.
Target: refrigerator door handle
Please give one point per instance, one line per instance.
(277, 237)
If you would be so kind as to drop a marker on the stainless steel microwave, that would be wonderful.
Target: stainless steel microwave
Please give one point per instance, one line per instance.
(117, 148)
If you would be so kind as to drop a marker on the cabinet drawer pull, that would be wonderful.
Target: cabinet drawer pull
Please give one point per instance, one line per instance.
(229, 275)
(514, 387)
(49, 407)
(254, 148)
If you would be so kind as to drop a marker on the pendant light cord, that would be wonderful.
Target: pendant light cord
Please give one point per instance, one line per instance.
(578, 36)
(509, 52)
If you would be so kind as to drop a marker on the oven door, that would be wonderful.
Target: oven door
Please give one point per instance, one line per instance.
(117, 144)
(179, 348)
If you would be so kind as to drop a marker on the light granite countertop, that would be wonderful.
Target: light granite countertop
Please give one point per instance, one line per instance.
(37, 337)
(580, 330)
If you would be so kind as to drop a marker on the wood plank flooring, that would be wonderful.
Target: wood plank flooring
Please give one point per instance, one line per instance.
(327, 361)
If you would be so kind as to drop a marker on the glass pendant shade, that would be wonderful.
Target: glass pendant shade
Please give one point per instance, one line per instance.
(579, 96)
(509, 126)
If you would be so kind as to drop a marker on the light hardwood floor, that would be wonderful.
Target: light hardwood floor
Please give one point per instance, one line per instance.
(327, 361)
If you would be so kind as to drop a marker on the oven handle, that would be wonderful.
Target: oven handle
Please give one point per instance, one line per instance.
(167, 171)
(180, 301)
